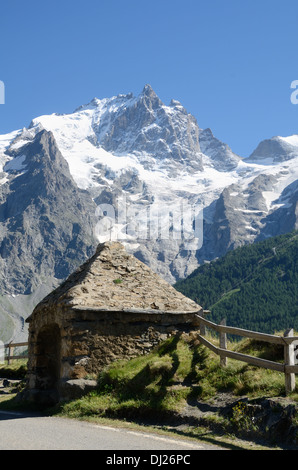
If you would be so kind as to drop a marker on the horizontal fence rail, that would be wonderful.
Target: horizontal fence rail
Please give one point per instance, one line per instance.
(10, 354)
(288, 341)
(289, 367)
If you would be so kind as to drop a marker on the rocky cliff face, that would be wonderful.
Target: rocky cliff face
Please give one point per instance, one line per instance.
(138, 171)
(221, 156)
(45, 218)
(46, 225)
(132, 125)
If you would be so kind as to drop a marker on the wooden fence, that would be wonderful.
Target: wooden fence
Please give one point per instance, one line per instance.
(10, 352)
(289, 367)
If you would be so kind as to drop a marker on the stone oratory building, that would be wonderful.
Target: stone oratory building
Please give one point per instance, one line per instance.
(113, 307)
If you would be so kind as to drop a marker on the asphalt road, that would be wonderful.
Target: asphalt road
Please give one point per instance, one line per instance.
(19, 431)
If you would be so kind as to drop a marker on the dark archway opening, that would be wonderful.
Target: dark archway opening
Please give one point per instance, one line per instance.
(48, 359)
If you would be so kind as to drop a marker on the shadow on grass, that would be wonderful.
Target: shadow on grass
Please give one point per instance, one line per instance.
(150, 385)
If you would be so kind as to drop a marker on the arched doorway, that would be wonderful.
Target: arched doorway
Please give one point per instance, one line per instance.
(48, 358)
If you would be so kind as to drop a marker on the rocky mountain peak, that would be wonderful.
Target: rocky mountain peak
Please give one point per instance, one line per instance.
(221, 156)
(149, 98)
(148, 91)
(276, 149)
(143, 125)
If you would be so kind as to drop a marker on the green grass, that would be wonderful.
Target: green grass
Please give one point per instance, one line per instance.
(175, 373)
(224, 297)
(177, 370)
(150, 388)
(16, 370)
(142, 385)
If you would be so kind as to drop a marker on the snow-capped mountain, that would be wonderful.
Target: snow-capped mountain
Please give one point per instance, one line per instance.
(137, 170)
(275, 150)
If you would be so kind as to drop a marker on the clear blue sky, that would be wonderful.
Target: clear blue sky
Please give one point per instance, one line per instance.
(229, 62)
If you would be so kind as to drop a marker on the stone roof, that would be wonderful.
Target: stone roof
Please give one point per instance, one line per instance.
(111, 280)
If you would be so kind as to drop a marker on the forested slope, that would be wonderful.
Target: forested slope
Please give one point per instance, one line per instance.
(253, 287)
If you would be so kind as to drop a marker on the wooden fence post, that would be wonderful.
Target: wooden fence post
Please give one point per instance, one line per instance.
(202, 327)
(223, 343)
(10, 353)
(289, 361)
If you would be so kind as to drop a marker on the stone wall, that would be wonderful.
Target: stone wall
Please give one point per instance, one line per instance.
(99, 337)
(90, 339)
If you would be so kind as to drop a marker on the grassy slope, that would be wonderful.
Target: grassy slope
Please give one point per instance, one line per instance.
(178, 372)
